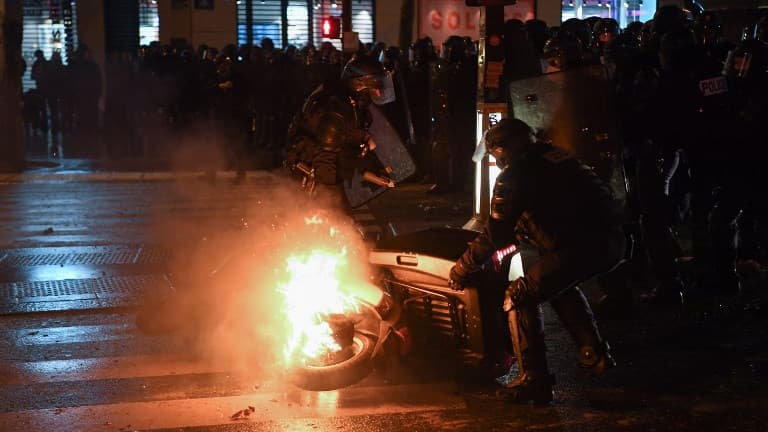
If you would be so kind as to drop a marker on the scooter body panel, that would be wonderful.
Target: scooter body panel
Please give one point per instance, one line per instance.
(416, 268)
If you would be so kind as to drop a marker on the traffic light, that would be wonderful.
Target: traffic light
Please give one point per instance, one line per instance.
(331, 27)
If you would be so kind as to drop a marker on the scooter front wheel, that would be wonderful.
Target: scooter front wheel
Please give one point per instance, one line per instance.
(340, 374)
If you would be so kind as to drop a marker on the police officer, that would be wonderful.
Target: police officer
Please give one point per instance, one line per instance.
(422, 57)
(650, 104)
(739, 212)
(453, 125)
(692, 91)
(577, 229)
(328, 139)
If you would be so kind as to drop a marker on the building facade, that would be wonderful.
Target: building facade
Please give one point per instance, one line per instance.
(122, 25)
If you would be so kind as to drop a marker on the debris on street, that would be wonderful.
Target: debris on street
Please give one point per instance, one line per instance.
(242, 414)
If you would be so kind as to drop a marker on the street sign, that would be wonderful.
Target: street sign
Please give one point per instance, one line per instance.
(440, 19)
(490, 2)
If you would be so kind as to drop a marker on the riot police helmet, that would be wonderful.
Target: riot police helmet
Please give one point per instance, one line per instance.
(604, 31)
(391, 57)
(578, 28)
(564, 51)
(454, 49)
(622, 49)
(422, 52)
(368, 81)
(471, 46)
(537, 31)
(591, 22)
(635, 28)
(708, 27)
(693, 7)
(507, 141)
(646, 34)
(676, 47)
(668, 18)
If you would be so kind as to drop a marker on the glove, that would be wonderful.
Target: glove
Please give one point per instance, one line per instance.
(457, 278)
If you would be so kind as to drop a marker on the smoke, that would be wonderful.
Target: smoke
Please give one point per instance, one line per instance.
(226, 264)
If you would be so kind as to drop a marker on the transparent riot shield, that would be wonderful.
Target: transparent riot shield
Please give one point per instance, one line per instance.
(576, 111)
(393, 156)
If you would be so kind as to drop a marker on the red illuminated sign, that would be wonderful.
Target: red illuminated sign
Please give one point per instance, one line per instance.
(490, 2)
(439, 19)
(331, 28)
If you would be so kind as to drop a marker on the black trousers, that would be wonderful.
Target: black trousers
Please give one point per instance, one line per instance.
(554, 279)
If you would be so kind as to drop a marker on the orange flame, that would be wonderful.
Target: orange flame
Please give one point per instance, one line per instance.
(320, 283)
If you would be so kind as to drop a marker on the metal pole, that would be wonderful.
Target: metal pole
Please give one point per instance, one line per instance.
(310, 18)
(249, 21)
(489, 100)
(346, 15)
(11, 140)
(346, 24)
(284, 22)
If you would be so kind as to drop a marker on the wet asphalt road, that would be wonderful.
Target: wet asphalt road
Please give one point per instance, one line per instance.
(79, 257)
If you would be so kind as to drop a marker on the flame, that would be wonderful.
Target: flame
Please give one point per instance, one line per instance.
(319, 283)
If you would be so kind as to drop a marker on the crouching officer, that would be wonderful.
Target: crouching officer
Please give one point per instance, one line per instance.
(548, 198)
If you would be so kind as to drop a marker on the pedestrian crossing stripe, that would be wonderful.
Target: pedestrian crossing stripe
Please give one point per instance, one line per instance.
(104, 368)
(167, 387)
(275, 404)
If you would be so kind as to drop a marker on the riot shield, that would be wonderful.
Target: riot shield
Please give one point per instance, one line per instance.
(390, 152)
(576, 111)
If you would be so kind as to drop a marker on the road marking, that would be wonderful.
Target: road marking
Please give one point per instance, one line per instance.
(80, 369)
(74, 334)
(259, 177)
(279, 402)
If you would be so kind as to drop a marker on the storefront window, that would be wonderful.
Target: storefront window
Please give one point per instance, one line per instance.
(257, 19)
(362, 20)
(623, 11)
(298, 23)
(149, 22)
(51, 27)
(638, 10)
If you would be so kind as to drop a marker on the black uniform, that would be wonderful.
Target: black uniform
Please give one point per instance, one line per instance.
(559, 205)
(328, 134)
(328, 140)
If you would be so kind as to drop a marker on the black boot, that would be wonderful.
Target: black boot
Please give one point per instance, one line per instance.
(534, 384)
(667, 294)
(575, 313)
(530, 387)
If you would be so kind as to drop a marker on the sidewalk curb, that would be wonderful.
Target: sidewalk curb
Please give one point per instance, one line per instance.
(259, 176)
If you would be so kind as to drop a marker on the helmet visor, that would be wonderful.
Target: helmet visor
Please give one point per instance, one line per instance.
(380, 87)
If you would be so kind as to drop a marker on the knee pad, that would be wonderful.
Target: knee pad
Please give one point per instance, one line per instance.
(589, 356)
(518, 293)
